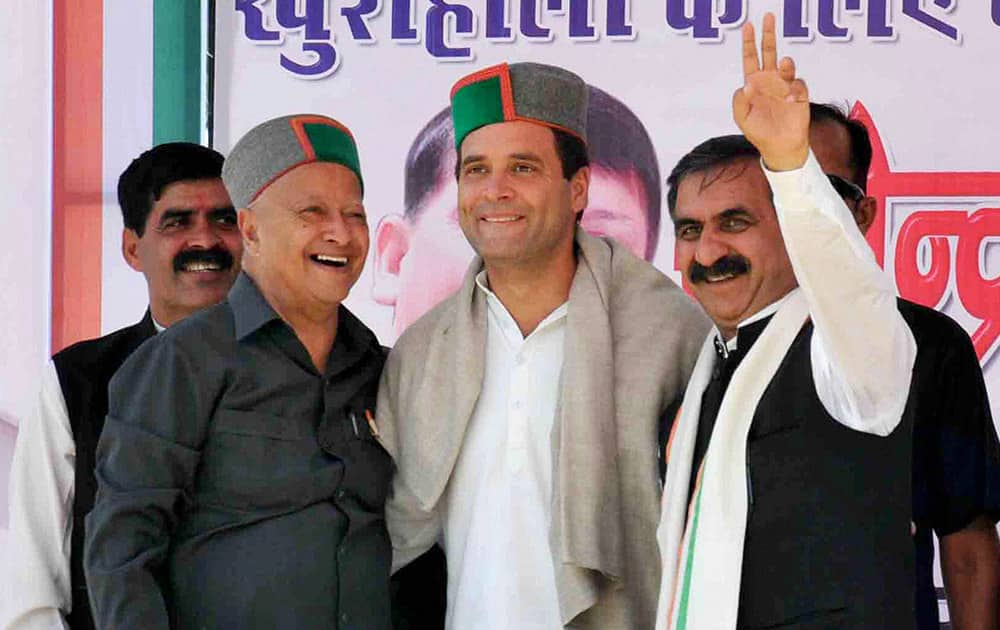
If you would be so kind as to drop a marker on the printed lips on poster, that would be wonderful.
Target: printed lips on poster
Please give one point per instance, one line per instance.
(915, 71)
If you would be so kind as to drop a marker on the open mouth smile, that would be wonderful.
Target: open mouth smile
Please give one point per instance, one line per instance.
(503, 219)
(206, 261)
(202, 266)
(329, 261)
(711, 278)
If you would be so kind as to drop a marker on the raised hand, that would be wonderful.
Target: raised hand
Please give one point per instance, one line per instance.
(772, 107)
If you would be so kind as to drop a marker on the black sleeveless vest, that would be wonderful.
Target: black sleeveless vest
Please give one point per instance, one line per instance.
(828, 541)
(84, 370)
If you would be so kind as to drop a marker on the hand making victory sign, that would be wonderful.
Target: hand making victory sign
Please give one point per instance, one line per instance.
(772, 107)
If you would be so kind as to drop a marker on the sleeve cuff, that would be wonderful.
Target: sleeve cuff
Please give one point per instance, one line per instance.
(797, 188)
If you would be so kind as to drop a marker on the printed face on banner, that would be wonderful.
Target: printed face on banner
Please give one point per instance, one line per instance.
(421, 258)
(307, 236)
(729, 244)
(514, 205)
(190, 249)
(617, 208)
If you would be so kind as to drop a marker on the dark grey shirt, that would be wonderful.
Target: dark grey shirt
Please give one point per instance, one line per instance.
(239, 487)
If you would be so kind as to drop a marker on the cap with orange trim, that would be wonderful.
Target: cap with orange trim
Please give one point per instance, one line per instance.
(275, 147)
(532, 92)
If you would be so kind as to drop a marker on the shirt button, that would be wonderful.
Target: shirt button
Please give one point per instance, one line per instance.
(517, 404)
(344, 617)
(341, 493)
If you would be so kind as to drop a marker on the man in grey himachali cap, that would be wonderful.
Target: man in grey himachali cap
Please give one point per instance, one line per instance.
(241, 483)
(530, 449)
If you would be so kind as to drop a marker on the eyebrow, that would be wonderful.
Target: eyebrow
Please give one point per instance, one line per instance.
(174, 213)
(528, 157)
(471, 158)
(730, 213)
(171, 213)
(680, 224)
(221, 211)
(324, 206)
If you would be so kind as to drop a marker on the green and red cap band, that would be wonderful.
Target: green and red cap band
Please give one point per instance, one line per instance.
(279, 145)
(532, 92)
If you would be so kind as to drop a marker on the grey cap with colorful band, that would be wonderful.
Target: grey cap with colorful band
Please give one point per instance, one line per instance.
(275, 147)
(533, 92)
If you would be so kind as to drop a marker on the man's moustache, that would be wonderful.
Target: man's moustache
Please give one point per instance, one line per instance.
(217, 256)
(725, 266)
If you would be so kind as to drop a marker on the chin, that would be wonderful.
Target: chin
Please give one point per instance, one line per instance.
(333, 298)
(728, 315)
(205, 297)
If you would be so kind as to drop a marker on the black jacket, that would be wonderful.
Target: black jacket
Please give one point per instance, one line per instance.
(84, 370)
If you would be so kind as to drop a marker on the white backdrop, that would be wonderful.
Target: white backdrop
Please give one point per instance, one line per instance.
(24, 220)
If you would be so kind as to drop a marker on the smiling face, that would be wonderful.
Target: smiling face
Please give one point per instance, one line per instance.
(306, 238)
(729, 244)
(189, 251)
(515, 207)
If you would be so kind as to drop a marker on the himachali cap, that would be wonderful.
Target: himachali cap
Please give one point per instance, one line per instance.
(275, 147)
(532, 92)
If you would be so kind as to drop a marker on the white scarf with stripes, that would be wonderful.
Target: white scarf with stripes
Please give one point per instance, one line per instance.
(702, 547)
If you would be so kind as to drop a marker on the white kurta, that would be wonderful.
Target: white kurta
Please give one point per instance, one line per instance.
(36, 583)
(37, 578)
(498, 504)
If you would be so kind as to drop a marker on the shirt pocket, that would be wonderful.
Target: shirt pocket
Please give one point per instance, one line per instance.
(255, 460)
(368, 468)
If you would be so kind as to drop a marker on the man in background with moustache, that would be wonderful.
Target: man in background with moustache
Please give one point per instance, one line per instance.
(240, 481)
(180, 233)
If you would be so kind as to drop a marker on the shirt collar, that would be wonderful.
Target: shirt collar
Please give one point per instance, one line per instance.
(767, 311)
(250, 310)
(354, 342)
(499, 310)
(149, 323)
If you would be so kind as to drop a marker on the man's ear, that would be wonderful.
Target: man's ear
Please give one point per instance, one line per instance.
(392, 242)
(864, 213)
(246, 220)
(130, 249)
(579, 189)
